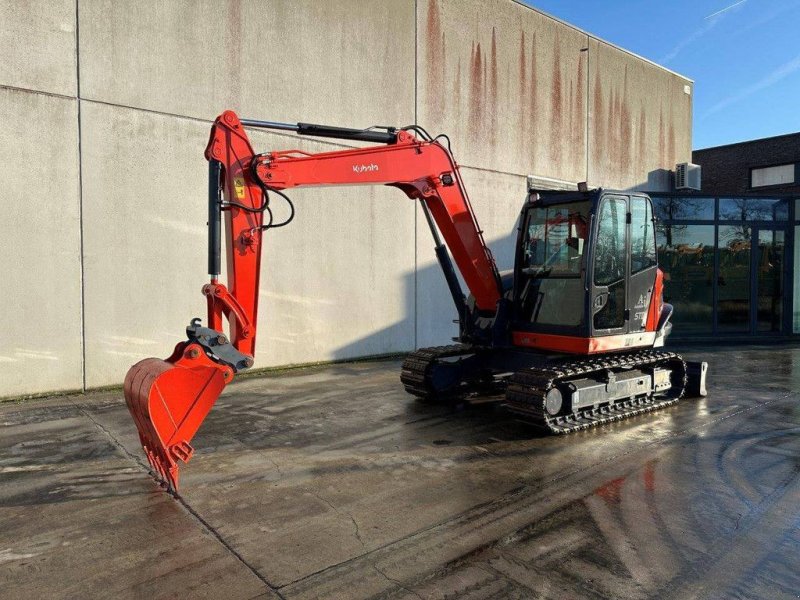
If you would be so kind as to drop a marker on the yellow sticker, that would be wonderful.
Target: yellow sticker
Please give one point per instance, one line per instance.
(238, 186)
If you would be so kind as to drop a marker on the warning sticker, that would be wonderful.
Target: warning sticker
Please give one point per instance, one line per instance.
(238, 186)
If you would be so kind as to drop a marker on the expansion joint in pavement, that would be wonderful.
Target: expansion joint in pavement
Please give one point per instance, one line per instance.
(205, 524)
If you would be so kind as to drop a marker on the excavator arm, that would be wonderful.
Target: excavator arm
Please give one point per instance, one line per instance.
(169, 399)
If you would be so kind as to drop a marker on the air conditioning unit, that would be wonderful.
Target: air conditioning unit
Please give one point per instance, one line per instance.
(687, 176)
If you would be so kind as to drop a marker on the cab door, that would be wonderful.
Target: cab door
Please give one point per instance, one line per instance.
(610, 267)
(643, 262)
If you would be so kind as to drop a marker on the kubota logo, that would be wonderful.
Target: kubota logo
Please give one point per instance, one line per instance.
(364, 168)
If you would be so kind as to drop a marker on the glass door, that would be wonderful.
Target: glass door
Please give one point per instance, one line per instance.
(734, 280)
(768, 267)
(611, 269)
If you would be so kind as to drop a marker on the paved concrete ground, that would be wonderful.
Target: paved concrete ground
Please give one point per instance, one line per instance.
(332, 483)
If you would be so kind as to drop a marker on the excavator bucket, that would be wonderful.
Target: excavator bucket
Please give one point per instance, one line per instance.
(168, 400)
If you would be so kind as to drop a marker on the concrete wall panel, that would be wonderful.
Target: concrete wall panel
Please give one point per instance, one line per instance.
(336, 283)
(40, 229)
(507, 83)
(346, 63)
(144, 190)
(497, 200)
(38, 42)
(640, 121)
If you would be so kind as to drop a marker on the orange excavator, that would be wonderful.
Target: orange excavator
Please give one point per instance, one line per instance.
(571, 336)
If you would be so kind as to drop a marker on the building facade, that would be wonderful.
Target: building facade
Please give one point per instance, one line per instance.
(108, 105)
(765, 166)
(731, 264)
(730, 253)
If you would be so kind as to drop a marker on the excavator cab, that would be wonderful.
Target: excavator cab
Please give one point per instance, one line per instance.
(586, 273)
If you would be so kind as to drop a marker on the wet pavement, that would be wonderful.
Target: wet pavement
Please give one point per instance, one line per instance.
(333, 483)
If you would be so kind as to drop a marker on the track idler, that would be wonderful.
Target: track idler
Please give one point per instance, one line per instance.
(169, 399)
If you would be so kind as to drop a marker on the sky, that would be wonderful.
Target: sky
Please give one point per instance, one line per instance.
(743, 55)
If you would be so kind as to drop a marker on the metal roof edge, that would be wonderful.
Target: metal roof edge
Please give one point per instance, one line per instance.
(599, 39)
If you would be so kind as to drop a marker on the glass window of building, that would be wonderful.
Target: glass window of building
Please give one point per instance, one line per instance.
(733, 284)
(683, 208)
(769, 261)
(780, 174)
(686, 256)
(731, 265)
(781, 210)
(753, 209)
(732, 209)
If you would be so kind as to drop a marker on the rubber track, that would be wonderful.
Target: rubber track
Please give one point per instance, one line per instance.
(415, 372)
(527, 389)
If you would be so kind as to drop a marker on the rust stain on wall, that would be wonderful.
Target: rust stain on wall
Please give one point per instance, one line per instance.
(625, 126)
(476, 92)
(571, 133)
(526, 102)
(525, 118)
(580, 117)
(523, 71)
(483, 125)
(533, 101)
(641, 147)
(556, 107)
(609, 140)
(435, 53)
(598, 130)
(671, 142)
(493, 89)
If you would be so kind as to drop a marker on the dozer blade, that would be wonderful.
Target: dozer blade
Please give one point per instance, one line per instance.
(168, 402)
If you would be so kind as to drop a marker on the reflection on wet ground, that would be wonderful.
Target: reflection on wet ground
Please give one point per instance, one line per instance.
(331, 482)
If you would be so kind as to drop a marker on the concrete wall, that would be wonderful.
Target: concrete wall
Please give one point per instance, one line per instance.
(106, 108)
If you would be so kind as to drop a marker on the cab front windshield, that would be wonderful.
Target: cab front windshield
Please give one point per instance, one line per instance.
(555, 240)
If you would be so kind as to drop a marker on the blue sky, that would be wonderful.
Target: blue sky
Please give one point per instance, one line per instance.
(744, 56)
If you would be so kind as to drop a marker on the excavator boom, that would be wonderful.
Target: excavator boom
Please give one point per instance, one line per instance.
(170, 398)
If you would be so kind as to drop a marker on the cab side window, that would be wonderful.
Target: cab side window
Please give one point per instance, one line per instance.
(643, 243)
